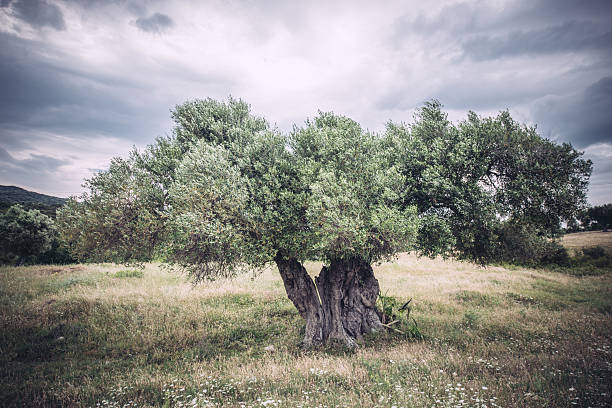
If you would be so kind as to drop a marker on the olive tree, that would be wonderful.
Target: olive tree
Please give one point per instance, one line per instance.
(226, 192)
(325, 192)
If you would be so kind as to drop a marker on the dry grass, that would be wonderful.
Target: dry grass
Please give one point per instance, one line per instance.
(81, 336)
(579, 240)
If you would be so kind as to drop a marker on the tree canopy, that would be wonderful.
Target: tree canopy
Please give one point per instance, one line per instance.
(471, 181)
(227, 192)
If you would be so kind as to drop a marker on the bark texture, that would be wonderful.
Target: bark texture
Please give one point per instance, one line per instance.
(341, 307)
(348, 291)
(302, 292)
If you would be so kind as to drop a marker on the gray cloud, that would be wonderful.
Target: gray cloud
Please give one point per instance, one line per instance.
(465, 18)
(531, 11)
(38, 172)
(471, 92)
(155, 23)
(39, 13)
(567, 37)
(26, 80)
(582, 119)
(134, 7)
(453, 18)
(600, 186)
(36, 162)
(39, 95)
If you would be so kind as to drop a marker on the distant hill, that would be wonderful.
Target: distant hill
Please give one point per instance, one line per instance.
(10, 195)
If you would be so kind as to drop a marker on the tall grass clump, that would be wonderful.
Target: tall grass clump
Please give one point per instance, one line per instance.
(128, 273)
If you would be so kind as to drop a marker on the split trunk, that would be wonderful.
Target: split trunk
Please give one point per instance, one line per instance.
(339, 306)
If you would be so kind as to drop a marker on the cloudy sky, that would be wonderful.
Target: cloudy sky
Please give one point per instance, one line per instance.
(85, 80)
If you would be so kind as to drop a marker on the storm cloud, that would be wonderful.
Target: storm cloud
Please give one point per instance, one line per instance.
(42, 94)
(85, 80)
(572, 36)
(584, 118)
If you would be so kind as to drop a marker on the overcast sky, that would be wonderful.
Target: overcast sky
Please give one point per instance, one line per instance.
(85, 80)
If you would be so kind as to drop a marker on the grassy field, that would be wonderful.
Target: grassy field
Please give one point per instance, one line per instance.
(101, 335)
(576, 241)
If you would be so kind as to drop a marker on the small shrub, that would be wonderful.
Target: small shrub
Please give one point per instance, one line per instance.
(396, 316)
(554, 253)
(594, 252)
(24, 235)
(521, 245)
(128, 273)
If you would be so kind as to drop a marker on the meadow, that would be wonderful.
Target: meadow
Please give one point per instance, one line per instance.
(107, 335)
(587, 239)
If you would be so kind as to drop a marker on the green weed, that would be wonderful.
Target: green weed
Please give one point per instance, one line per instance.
(396, 316)
(128, 273)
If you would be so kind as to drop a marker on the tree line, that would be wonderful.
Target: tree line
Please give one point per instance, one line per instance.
(598, 217)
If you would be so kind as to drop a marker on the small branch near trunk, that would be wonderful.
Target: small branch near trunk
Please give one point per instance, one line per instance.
(405, 305)
(388, 326)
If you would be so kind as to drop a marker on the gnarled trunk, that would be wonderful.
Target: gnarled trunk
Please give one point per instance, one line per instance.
(302, 292)
(341, 308)
(348, 291)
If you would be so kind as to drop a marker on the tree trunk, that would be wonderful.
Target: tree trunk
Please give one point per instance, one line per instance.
(302, 292)
(348, 291)
(341, 308)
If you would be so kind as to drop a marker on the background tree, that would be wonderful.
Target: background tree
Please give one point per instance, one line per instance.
(597, 217)
(226, 192)
(25, 235)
